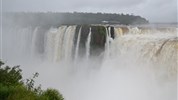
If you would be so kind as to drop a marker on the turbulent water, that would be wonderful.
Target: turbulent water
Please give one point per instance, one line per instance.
(139, 63)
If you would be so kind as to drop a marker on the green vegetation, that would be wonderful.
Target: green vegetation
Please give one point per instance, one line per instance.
(101, 30)
(78, 18)
(12, 86)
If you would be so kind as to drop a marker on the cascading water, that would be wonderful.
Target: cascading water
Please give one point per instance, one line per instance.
(138, 64)
(88, 45)
(78, 42)
(108, 42)
(59, 43)
(53, 43)
(68, 42)
(134, 30)
(150, 47)
(34, 39)
(118, 32)
(19, 40)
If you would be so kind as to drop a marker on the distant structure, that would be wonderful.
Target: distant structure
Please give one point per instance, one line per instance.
(111, 22)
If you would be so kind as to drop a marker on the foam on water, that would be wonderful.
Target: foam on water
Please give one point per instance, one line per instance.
(137, 64)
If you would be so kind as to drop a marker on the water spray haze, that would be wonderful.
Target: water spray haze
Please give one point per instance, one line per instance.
(137, 64)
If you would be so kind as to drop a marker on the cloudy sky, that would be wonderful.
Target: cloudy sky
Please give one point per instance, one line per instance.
(153, 10)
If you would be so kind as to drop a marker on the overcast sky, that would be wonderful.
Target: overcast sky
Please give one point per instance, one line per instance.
(153, 10)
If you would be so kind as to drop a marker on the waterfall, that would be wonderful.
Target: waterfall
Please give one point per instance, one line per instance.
(155, 48)
(155, 45)
(78, 42)
(50, 43)
(59, 43)
(17, 43)
(118, 32)
(108, 41)
(139, 64)
(24, 41)
(34, 40)
(134, 30)
(68, 42)
(88, 44)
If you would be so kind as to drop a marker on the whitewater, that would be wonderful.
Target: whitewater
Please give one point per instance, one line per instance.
(138, 63)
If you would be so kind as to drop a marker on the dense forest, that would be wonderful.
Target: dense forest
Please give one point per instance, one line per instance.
(56, 19)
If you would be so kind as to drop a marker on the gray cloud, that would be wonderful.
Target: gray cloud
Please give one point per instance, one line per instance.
(153, 10)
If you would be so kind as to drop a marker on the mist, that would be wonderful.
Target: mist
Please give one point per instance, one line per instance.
(114, 82)
(95, 61)
(132, 66)
(157, 11)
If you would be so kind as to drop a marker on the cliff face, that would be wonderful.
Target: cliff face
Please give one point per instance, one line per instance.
(96, 21)
(98, 38)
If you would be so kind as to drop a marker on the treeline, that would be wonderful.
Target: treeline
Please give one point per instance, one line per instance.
(14, 87)
(56, 19)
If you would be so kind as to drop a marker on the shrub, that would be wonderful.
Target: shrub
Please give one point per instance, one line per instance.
(52, 94)
(21, 93)
(10, 76)
(13, 88)
(4, 91)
